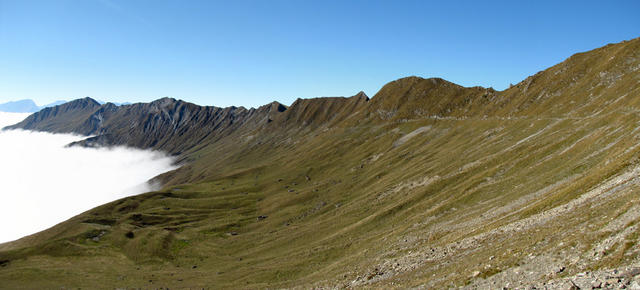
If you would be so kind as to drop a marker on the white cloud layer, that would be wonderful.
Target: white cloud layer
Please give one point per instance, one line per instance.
(42, 183)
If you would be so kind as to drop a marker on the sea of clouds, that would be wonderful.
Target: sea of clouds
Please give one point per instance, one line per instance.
(43, 183)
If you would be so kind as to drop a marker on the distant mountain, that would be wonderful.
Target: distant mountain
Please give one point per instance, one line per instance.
(22, 106)
(25, 106)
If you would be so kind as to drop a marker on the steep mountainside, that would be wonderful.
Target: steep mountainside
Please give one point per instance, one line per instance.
(66, 118)
(427, 184)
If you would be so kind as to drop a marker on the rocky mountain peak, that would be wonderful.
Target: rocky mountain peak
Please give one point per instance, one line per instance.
(361, 95)
(86, 102)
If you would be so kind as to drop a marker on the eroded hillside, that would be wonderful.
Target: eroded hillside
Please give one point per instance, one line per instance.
(426, 184)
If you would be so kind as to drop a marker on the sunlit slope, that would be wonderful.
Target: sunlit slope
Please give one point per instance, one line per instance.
(426, 184)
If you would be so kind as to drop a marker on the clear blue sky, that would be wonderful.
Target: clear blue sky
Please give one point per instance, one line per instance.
(252, 52)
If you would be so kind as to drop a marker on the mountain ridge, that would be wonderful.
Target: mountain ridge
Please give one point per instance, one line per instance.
(427, 184)
(180, 128)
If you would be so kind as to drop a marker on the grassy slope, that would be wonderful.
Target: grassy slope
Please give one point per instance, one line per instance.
(484, 185)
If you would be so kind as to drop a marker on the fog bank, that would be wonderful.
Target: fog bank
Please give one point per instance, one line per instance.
(43, 183)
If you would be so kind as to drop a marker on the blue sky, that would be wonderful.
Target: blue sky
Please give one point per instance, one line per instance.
(250, 53)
